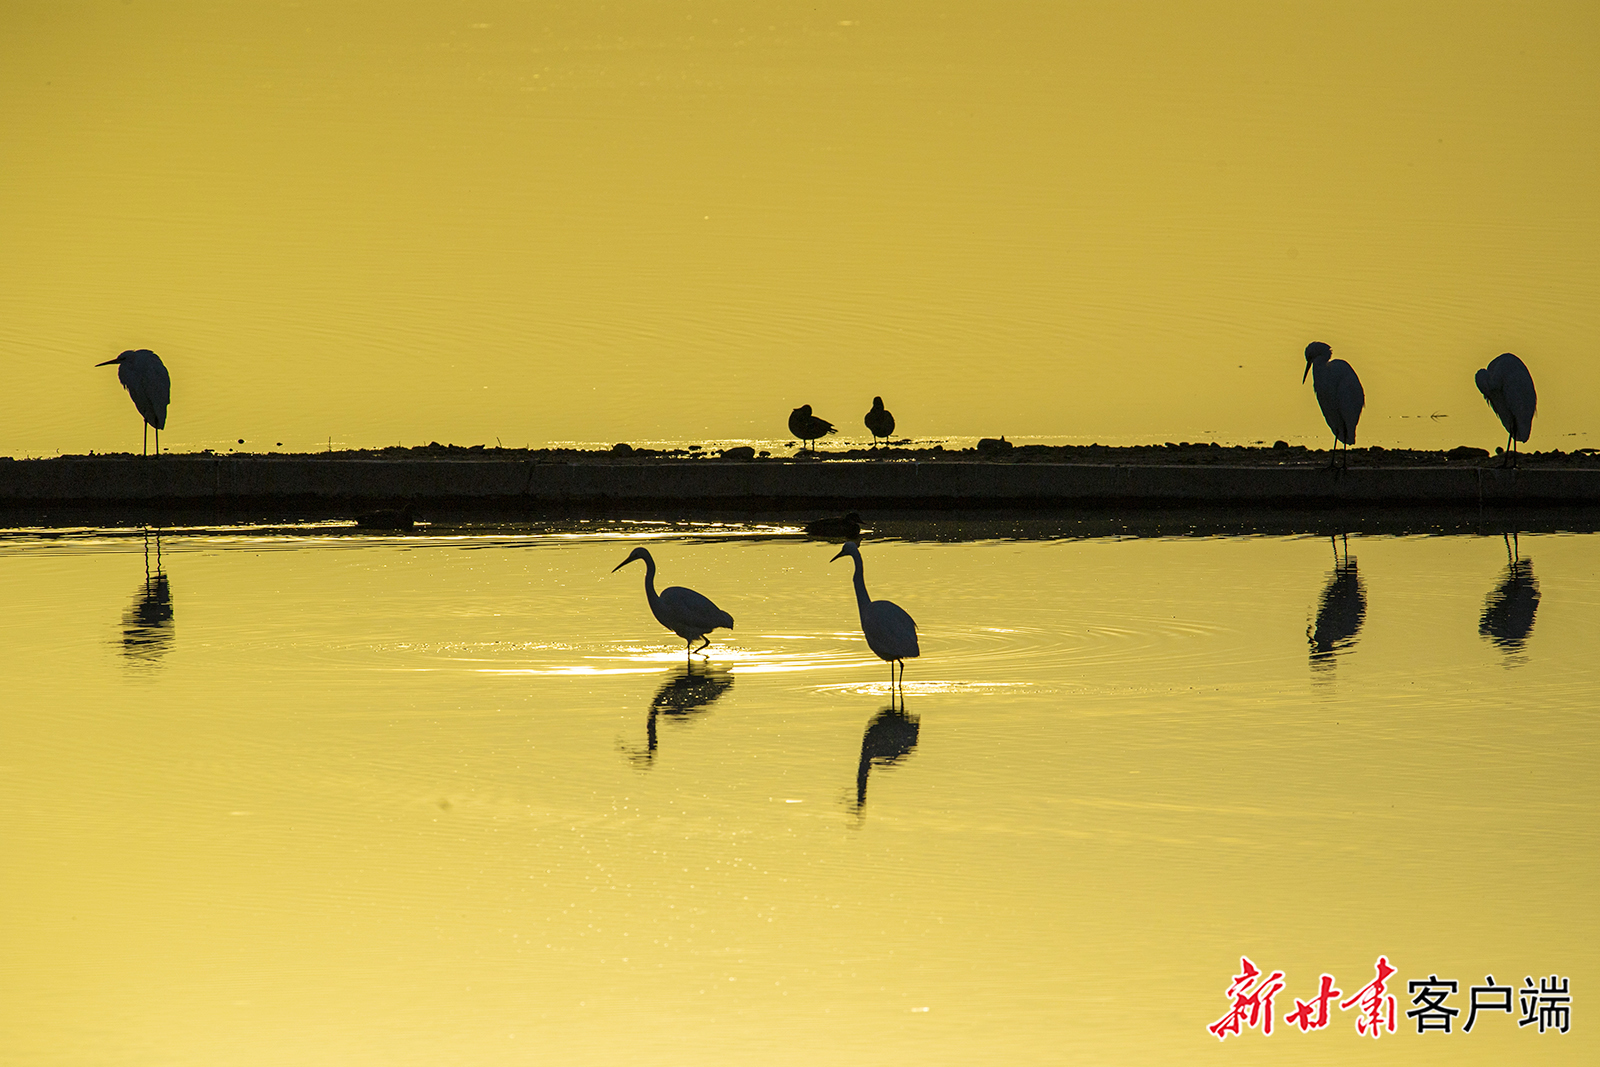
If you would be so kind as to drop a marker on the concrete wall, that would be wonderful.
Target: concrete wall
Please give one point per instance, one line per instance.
(209, 480)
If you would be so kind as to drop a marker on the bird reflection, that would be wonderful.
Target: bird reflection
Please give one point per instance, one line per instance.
(686, 693)
(890, 737)
(147, 624)
(1510, 607)
(1340, 612)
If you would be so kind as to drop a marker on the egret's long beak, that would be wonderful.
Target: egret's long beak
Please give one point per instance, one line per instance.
(1308, 371)
(623, 564)
(108, 362)
(842, 552)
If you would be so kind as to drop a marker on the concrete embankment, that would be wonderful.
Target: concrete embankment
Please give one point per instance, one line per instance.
(254, 481)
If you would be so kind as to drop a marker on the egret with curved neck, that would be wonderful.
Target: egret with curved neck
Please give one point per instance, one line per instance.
(890, 632)
(145, 377)
(1508, 387)
(1339, 394)
(683, 611)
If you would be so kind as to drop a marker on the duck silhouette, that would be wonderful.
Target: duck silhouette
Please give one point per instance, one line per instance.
(880, 422)
(808, 427)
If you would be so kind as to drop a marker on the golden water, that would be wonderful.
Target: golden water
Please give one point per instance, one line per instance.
(306, 796)
(378, 223)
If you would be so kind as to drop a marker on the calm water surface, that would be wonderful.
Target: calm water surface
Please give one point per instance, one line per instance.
(305, 796)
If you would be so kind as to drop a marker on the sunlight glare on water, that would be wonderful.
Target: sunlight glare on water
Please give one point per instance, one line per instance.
(332, 798)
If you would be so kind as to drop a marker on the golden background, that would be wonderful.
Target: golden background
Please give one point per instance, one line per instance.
(383, 223)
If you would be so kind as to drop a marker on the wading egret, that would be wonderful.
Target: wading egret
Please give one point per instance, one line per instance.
(145, 377)
(844, 527)
(683, 611)
(880, 421)
(1338, 394)
(1508, 387)
(890, 632)
(808, 427)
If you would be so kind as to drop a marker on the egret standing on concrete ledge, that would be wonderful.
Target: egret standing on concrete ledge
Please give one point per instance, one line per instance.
(145, 377)
(1508, 387)
(683, 611)
(890, 632)
(1338, 394)
(808, 427)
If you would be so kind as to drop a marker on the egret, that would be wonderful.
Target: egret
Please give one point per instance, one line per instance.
(890, 632)
(808, 427)
(683, 611)
(844, 527)
(879, 421)
(145, 377)
(1508, 387)
(1338, 394)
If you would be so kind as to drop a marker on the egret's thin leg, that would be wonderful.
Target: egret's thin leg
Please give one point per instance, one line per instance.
(145, 451)
(704, 642)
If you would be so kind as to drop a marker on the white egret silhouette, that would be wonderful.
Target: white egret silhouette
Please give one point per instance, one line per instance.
(1338, 394)
(1508, 387)
(890, 632)
(145, 377)
(685, 612)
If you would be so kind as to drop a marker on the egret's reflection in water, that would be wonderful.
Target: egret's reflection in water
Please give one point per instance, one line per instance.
(1340, 612)
(147, 629)
(890, 737)
(1509, 609)
(685, 694)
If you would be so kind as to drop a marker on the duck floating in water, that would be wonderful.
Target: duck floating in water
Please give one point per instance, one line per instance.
(388, 519)
(843, 527)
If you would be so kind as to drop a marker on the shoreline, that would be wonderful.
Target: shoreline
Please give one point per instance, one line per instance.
(1024, 479)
